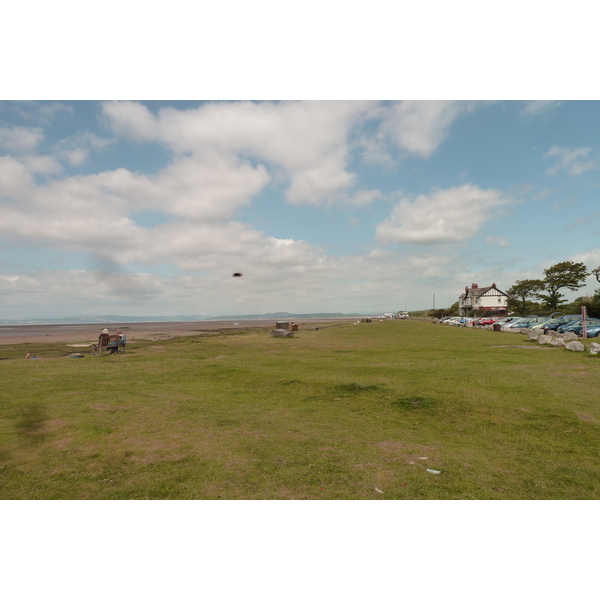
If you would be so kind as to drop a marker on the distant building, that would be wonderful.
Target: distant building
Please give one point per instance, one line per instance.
(484, 298)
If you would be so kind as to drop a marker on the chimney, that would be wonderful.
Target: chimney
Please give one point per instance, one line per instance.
(474, 286)
(493, 285)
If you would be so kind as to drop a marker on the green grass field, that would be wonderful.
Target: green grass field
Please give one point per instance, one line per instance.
(342, 412)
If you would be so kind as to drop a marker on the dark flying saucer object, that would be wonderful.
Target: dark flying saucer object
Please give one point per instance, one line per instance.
(237, 274)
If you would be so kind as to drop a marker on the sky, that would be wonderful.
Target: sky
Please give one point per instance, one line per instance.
(149, 207)
(355, 161)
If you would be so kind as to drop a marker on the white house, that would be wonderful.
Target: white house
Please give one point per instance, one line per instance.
(484, 298)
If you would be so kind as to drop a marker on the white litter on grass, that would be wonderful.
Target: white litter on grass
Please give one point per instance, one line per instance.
(79, 345)
(378, 490)
(422, 458)
(432, 471)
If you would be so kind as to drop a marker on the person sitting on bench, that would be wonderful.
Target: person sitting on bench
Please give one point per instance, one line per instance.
(116, 340)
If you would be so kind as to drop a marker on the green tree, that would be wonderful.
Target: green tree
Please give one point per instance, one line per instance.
(521, 294)
(562, 275)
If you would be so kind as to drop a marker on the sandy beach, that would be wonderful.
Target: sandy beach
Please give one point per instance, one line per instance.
(88, 333)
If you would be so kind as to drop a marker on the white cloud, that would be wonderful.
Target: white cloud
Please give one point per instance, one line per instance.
(15, 179)
(573, 161)
(364, 197)
(498, 240)
(80, 212)
(279, 274)
(45, 165)
(37, 111)
(75, 150)
(210, 191)
(131, 119)
(419, 127)
(20, 139)
(307, 140)
(535, 108)
(451, 215)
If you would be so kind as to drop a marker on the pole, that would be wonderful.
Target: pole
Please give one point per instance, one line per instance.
(584, 322)
(434, 302)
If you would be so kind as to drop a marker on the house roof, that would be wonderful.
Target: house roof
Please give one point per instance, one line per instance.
(475, 292)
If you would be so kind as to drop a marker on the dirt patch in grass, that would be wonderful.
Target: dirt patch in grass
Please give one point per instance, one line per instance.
(571, 374)
(585, 417)
(538, 347)
(50, 425)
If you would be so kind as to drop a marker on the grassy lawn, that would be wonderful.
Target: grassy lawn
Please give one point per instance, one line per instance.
(339, 412)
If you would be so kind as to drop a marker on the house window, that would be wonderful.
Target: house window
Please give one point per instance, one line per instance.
(499, 299)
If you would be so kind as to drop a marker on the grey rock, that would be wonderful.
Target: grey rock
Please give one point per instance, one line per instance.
(558, 342)
(544, 339)
(569, 336)
(575, 346)
(594, 348)
(282, 333)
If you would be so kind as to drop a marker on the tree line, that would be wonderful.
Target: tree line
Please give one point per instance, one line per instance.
(545, 296)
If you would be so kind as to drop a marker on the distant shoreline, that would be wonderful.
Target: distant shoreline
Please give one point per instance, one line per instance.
(89, 332)
(111, 319)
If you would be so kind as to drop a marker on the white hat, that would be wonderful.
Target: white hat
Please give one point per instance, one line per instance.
(105, 331)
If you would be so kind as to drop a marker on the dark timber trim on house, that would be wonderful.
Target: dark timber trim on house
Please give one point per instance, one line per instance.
(484, 298)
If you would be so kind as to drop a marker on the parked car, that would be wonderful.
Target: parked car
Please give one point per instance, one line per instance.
(450, 320)
(532, 322)
(503, 321)
(593, 331)
(577, 325)
(512, 323)
(524, 322)
(488, 320)
(554, 324)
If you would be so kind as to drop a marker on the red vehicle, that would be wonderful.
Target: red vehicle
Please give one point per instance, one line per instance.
(488, 321)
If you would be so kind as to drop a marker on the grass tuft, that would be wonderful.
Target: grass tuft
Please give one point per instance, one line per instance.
(355, 388)
(414, 402)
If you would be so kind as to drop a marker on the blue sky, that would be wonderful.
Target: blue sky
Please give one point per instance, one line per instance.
(147, 208)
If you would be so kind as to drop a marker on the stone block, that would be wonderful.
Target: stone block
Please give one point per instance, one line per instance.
(575, 346)
(569, 336)
(282, 333)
